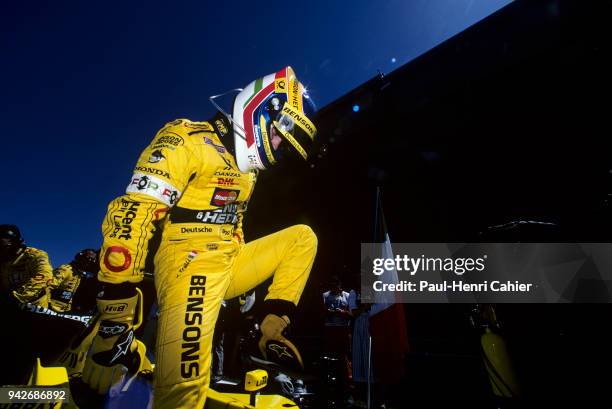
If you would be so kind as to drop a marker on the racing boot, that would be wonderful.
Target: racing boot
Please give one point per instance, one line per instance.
(275, 347)
(116, 357)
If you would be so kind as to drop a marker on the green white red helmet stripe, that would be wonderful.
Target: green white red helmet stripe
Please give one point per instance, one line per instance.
(257, 87)
(248, 113)
(259, 94)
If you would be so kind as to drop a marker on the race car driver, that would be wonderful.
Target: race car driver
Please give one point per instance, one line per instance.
(25, 272)
(192, 185)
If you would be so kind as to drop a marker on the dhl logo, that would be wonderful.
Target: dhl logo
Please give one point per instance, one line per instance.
(226, 181)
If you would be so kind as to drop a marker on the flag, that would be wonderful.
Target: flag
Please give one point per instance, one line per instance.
(387, 319)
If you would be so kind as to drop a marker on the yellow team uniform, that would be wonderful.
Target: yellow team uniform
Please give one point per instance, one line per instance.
(65, 285)
(28, 277)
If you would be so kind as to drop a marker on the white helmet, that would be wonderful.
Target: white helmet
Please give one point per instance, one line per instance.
(277, 100)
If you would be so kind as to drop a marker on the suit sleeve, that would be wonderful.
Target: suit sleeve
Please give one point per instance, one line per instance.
(36, 289)
(161, 175)
(238, 230)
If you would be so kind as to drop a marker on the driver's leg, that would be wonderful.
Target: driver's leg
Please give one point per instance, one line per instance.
(288, 254)
(190, 287)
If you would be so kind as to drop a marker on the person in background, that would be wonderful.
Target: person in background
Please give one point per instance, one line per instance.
(68, 277)
(74, 290)
(25, 272)
(360, 345)
(338, 322)
(25, 278)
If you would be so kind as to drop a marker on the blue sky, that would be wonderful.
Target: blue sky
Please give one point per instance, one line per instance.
(86, 85)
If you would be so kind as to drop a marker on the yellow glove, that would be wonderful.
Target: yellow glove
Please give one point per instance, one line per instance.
(117, 378)
(274, 346)
(115, 356)
(73, 358)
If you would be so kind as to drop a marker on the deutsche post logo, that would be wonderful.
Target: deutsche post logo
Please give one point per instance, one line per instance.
(280, 85)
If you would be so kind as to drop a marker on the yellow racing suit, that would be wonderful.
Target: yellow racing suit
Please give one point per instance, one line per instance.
(65, 283)
(187, 186)
(28, 277)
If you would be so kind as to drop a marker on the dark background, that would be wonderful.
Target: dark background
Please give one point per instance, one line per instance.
(507, 121)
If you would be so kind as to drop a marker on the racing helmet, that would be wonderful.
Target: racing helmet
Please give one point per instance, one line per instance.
(277, 104)
(11, 241)
(86, 260)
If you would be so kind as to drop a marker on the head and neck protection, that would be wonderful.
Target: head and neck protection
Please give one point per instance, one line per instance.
(275, 106)
(86, 261)
(11, 242)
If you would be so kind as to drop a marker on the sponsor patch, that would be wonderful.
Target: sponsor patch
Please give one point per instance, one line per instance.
(109, 329)
(196, 230)
(280, 85)
(117, 258)
(123, 346)
(280, 350)
(116, 308)
(154, 187)
(167, 140)
(219, 148)
(227, 215)
(225, 173)
(62, 295)
(221, 127)
(190, 257)
(222, 181)
(192, 330)
(301, 120)
(212, 246)
(222, 197)
(157, 156)
(123, 218)
(153, 171)
(295, 96)
(37, 309)
(198, 125)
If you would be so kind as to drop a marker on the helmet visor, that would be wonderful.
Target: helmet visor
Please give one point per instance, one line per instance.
(296, 129)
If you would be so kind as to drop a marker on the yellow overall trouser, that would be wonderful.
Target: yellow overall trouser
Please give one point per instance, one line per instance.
(192, 278)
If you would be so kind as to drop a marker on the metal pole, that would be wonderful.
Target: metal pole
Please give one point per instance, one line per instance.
(369, 367)
(376, 209)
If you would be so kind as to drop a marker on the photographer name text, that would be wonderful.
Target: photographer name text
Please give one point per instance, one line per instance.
(454, 286)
